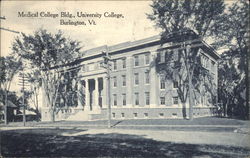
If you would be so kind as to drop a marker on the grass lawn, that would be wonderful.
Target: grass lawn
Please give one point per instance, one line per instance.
(51, 143)
(195, 121)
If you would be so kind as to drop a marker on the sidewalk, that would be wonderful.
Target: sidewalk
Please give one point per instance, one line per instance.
(213, 124)
(187, 137)
(224, 138)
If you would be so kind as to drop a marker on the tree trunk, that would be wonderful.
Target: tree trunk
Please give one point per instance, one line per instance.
(226, 105)
(247, 83)
(52, 115)
(6, 108)
(184, 110)
(36, 103)
(190, 98)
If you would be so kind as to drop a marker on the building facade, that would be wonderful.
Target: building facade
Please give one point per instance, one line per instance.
(137, 89)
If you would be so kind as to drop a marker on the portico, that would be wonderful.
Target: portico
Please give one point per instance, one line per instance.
(94, 90)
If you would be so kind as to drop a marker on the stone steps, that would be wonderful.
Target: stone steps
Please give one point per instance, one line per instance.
(79, 116)
(83, 115)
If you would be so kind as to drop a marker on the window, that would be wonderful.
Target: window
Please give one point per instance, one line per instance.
(147, 78)
(162, 100)
(212, 66)
(123, 115)
(208, 63)
(83, 68)
(162, 57)
(175, 84)
(115, 81)
(161, 115)
(136, 78)
(162, 83)
(175, 100)
(123, 99)
(115, 65)
(175, 55)
(147, 97)
(146, 59)
(174, 114)
(123, 80)
(135, 115)
(146, 115)
(136, 58)
(115, 99)
(136, 98)
(204, 61)
(113, 114)
(123, 63)
(212, 62)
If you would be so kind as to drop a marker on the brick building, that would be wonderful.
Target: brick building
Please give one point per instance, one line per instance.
(137, 89)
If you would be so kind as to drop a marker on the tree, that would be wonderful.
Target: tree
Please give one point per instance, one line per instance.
(68, 90)
(233, 32)
(10, 65)
(2, 71)
(179, 15)
(188, 20)
(232, 27)
(47, 52)
(232, 87)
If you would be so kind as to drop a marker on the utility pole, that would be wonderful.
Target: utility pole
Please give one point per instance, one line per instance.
(23, 83)
(106, 65)
(24, 116)
(6, 108)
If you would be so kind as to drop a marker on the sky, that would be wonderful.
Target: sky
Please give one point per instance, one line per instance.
(107, 31)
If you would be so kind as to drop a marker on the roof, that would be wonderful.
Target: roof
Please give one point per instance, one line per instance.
(9, 104)
(27, 112)
(154, 40)
(116, 47)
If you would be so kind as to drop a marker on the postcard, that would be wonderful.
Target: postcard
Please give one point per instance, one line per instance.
(124, 78)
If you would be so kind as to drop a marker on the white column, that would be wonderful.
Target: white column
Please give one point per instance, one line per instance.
(96, 95)
(87, 101)
(79, 96)
(104, 93)
(153, 83)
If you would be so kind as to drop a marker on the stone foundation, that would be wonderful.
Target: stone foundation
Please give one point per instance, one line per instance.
(129, 113)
